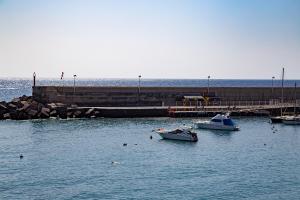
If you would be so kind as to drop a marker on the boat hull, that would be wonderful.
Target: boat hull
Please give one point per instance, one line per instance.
(292, 121)
(171, 136)
(216, 127)
(278, 119)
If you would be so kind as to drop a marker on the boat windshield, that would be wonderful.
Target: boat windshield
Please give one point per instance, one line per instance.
(228, 122)
(216, 120)
(177, 131)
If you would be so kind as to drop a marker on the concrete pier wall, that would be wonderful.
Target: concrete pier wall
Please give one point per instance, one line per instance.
(153, 96)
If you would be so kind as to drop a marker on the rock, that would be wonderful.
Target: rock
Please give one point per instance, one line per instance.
(25, 98)
(12, 106)
(22, 115)
(89, 112)
(6, 116)
(29, 101)
(62, 112)
(51, 106)
(40, 106)
(53, 113)
(34, 105)
(14, 114)
(32, 113)
(25, 106)
(3, 109)
(97, 113)
(69, 114)
(24, 102)
(77, 113)
(44, 114)
(15, 100)
(46, 110)
(60, 105)
(3, 105)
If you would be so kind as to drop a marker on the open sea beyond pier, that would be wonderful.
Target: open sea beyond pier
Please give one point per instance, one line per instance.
(86, 158)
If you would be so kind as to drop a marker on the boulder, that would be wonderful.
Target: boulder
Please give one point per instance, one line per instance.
(24, 102)
(3, 105)
(62, 112)
(51, 106)
(12, 106)
(44, 115)
(32, 113)
(25, 106)
(6, 116)
(97, 113)
(89, 112)
(46, 110)
(77, 113)
(23, 115)
(40, 106)
(15, 100)
(2, 112)
(24, 98)
(69, 114)
(60, 105)
(3, 108)
(53, 113)
(14, 114)
(34, 105)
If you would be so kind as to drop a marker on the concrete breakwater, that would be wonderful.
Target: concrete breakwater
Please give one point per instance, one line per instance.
(91, 102)
(26, 107)
(160, 96)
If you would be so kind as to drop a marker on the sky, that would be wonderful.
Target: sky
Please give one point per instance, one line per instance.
(189, 39)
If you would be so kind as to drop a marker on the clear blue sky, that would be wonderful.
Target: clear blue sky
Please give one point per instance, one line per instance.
(154, 38)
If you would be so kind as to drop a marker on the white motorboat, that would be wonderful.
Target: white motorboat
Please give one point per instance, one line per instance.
(218, 122)
(292, 120)
(184, 134)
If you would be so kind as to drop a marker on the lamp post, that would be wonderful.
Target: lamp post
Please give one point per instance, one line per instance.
(208, 85)
(139, 88)
(74, 76)
(273, 77)
(34, 75)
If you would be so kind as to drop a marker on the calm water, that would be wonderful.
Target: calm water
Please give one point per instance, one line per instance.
(71, 159)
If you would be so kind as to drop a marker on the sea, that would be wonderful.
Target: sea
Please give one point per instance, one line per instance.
(87, 159)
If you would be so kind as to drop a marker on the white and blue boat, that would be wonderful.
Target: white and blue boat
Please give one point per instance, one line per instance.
(218, 122)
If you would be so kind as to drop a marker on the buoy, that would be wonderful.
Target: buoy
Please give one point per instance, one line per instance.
(151, 137)
(125, 144)
(265, 144)
(21, 156)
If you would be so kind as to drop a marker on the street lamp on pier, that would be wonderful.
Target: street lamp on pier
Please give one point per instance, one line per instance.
(139, 88)
(208, 85)
(273, 77)
(34, 76)
(74, 76)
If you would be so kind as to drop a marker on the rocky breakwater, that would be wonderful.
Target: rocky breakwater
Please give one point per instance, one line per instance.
(25, 107)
